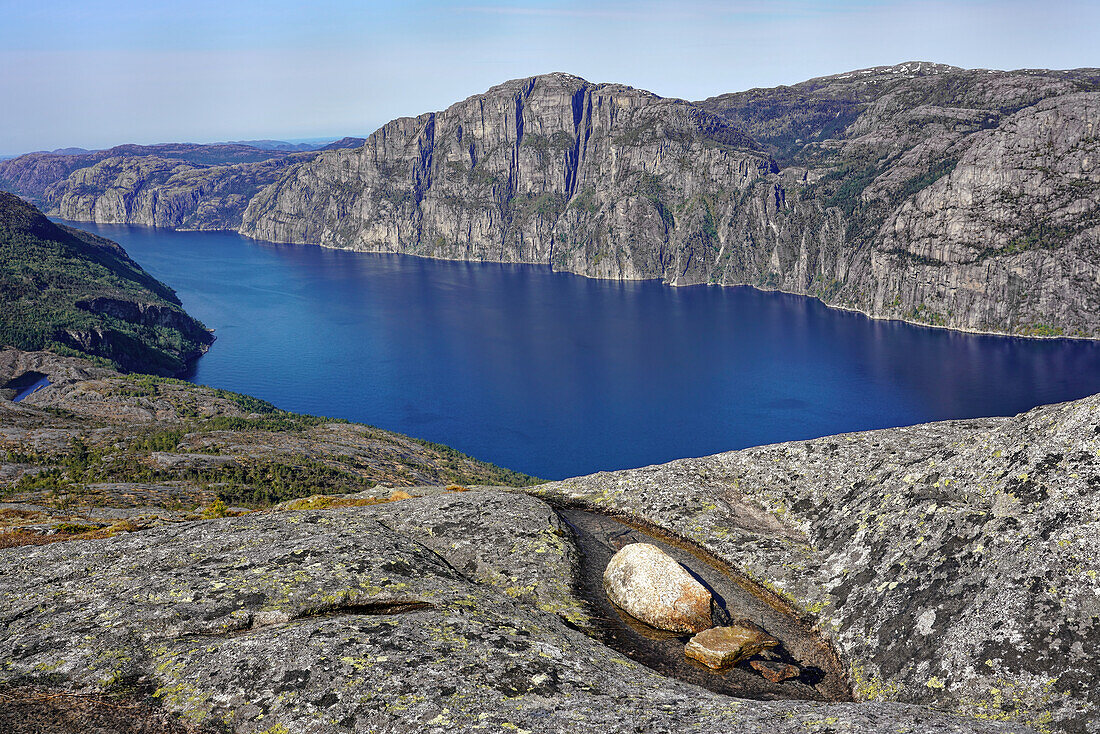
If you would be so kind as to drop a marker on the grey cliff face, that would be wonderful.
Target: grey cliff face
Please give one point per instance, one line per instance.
(954, 198)
(30, 175)
(162, 192)
(944, 196)
(550, 169)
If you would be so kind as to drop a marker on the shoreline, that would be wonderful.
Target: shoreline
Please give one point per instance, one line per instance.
(851, 309)
(671, 284)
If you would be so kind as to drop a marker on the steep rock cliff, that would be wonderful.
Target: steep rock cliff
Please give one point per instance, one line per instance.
(967, 196)
(30, 175)
(600, 179)
(162, 192)
(923, 192)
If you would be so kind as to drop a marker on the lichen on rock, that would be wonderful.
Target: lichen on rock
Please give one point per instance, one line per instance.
(954, 564)
(343, 619)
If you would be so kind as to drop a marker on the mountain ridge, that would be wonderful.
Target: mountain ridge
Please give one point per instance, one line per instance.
(966, 199)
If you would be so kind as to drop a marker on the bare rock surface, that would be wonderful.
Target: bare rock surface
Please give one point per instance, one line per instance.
(650, 585)
(164, 192)
(953, 564)
(332, 621)
(537, 564)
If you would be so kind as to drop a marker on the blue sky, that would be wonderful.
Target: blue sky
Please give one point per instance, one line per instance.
(92, 73)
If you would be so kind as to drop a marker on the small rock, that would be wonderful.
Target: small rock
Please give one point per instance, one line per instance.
(774, 671)
(722, 647)
(649, 584)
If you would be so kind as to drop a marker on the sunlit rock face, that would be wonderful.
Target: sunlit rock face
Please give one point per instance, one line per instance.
(961, 198)
(922, 192)
(722, 647)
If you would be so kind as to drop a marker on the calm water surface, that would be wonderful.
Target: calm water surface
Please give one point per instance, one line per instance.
(558, 375)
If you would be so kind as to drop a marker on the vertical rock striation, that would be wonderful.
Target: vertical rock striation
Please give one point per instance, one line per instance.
(955, 198)
(603, 180)
(944, 196)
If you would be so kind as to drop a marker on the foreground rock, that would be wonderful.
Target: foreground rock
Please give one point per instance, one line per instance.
(954, 564)
(336, 621)
(646, 583)
(722, 647)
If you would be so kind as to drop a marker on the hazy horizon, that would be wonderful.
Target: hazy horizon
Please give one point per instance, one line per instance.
(94, 74)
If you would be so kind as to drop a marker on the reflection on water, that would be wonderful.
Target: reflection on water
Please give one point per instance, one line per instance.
(558, 375)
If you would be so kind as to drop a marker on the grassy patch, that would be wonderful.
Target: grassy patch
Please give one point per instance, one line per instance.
(853, 181)
(459, 468)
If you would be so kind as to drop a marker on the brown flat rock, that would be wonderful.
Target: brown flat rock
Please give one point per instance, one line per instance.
(723, 647)
(774, 671)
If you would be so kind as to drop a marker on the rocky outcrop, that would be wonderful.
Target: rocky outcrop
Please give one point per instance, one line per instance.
(919, 192)
(967, 197)
(162, 192)
(32, 174)
(951, 568)
(146, 314)
(65, 289)
(953, 564)
(335, 620)
(590, 178)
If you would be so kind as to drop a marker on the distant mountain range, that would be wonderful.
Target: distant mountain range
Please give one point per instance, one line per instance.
(278, 145)
(300, 147)
(951, 197)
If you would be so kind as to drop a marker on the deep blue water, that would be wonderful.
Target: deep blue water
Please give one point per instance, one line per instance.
(558, 375)
(25, 392)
